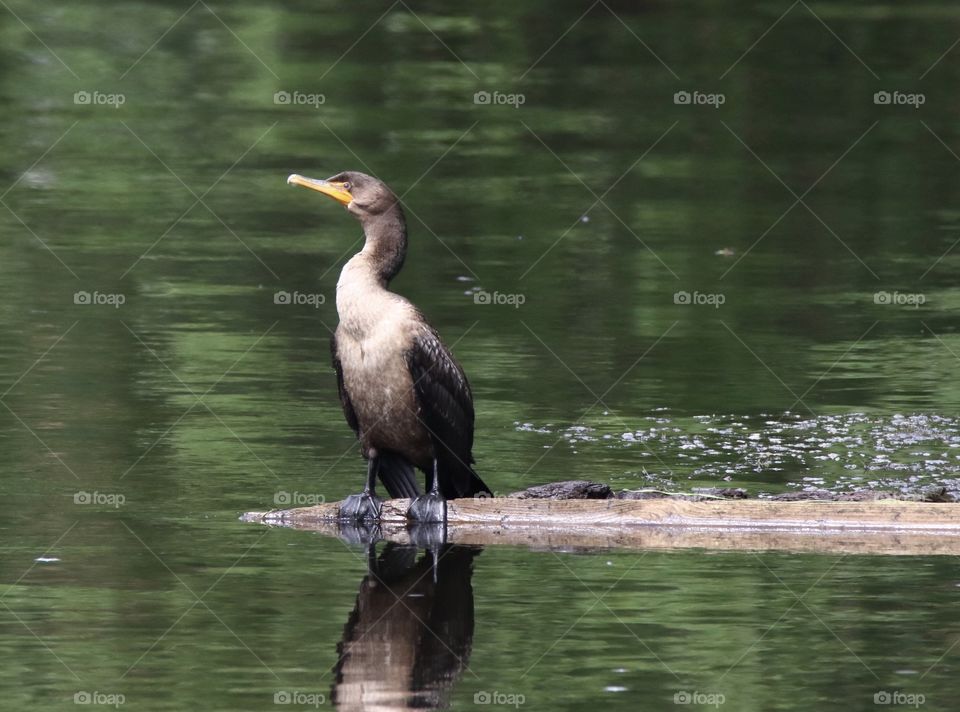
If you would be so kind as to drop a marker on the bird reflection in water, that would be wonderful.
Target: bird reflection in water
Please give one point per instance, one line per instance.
(410, 634)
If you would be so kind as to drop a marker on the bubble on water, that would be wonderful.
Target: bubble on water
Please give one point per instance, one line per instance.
(906, 452)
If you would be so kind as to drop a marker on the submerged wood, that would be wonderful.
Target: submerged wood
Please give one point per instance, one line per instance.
(885, 526)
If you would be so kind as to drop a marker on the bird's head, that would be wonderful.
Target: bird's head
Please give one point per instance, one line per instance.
(364, 196)
(377, 209)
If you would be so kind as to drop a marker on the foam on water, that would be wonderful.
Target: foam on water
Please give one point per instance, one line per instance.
(837, 452)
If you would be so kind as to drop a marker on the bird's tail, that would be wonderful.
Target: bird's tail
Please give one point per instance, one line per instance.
(477, 486)
(465, 482)
(398, 476)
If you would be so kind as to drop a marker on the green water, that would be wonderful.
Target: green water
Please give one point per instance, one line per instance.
(133, 435)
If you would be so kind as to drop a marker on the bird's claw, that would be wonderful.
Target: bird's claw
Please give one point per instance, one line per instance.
(361, 507)
(428, 508)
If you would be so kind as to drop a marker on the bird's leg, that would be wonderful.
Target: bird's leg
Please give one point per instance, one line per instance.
(429, 507)
(366, 505)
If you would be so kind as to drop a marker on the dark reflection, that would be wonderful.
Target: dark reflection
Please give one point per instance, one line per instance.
(410, 634)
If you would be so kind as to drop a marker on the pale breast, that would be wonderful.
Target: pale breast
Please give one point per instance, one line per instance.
(375, 374)
(379, 384)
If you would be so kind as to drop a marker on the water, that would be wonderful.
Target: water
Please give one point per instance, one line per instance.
(683, 323)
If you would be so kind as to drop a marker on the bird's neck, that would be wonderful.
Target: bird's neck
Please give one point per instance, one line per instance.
(362, 293)
(386, 243)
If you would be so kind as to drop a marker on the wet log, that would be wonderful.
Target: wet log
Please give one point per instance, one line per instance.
(882, 526)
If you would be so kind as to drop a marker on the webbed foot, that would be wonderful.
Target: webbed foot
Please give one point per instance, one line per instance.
(430, 507)
(361, 507)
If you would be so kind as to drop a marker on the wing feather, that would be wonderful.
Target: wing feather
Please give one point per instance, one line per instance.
(348, 411)
(443, 394)
(445, 407)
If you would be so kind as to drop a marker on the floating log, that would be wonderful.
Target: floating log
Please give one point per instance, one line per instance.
(882, 526)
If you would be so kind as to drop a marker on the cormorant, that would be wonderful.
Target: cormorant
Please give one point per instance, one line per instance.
(402, 391)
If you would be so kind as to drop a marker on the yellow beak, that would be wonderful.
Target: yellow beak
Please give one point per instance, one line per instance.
(333, 190)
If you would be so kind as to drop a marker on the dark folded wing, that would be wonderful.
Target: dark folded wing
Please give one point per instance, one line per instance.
(444, 400)
(348, 411)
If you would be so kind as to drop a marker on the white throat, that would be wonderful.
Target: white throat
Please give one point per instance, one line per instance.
(362, 300)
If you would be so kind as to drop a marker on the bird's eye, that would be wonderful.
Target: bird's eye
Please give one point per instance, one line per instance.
(346, 186)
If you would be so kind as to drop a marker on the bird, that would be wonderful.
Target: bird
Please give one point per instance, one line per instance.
(403, 393)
